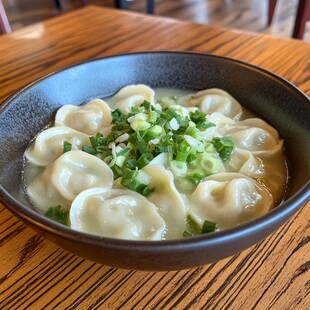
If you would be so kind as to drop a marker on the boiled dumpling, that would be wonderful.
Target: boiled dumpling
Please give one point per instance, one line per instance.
(214, 100)
(48, 145)
(116, 213)
(229, 199)
(246, 163)
(219, 120)
(132, 96)
(172, 205)
(90, 118)
(64, 179)
(254, 135)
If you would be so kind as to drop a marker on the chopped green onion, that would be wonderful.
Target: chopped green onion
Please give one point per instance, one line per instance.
(192, 225)
(152, 117)
(153, 132)
(142, 146)
(208, 227)
(149, 130)
(98, 143)
(120, 161)
(118, 117)
(199, 118)
(187, 233)
(209, 148)
(58, 214)
(124, 152)
(132, 164)
(67, 146)
(89, 150)
(140, 125)
(209, 164)
(196, 178)
(178, 168)
(144, 159)
(146, 104)
(129, 174)
(224, 146)
(194, 229)
(138, 181)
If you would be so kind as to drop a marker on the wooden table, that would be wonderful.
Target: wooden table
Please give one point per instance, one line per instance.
(36, 274)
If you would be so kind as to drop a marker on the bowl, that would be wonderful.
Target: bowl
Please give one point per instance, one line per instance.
(275, 100)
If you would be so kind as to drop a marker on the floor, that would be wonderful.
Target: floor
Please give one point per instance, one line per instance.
(249, 15)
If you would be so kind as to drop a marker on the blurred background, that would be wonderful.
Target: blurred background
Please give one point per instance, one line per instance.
(246, 15)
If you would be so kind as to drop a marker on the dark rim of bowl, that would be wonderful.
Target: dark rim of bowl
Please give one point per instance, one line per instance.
(284, 210)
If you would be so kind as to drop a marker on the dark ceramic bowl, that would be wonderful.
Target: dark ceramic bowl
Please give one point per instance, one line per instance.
(274, 99)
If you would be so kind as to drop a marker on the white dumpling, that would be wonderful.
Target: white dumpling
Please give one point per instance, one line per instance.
(89, 118)
(214, 100)
(48, 145)
(116, 213)
(246, 163)
(172, 205)
(132, 96)
(64, 179)
(254, 135)
(219, 120)
(229, 199)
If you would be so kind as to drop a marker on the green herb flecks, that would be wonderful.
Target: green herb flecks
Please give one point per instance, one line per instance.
(194, 229)
(58, 214)
(149, 130)
(224, 146)
(67, 146)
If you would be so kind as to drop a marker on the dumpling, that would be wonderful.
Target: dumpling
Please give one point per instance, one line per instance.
(254, 135)
(214, 100)
(246, 163)
(132, 96)
(48, 145)
(172, 205)
(64, 179)
(219, 120)
(229, 199)
(116, 213)
(89, 118)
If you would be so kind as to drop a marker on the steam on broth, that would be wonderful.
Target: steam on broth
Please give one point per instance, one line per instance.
(156, 165)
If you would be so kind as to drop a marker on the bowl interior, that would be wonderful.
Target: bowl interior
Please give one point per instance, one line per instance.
(273, 99)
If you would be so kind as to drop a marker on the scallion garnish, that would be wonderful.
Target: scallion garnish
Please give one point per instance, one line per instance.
(149, 130)
(194, 229)
(187, 233)
(67, 146)
(208, 227)
(58, 214)
(224, 146)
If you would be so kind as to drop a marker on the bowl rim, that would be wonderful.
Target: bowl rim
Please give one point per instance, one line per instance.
(278, 214)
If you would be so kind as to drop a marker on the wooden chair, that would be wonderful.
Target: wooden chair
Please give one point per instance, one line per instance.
(302, 16)
(4, 22)
(121, 4)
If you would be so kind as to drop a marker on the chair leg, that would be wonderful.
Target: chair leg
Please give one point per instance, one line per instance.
(271, 8)
(303, 14)
(58, 4)
(121, 4)
(4, 22)
(150, 7)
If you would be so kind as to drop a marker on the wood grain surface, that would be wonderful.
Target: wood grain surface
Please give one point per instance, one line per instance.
(36, 274)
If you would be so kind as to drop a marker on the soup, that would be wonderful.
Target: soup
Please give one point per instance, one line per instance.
(156, 165)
